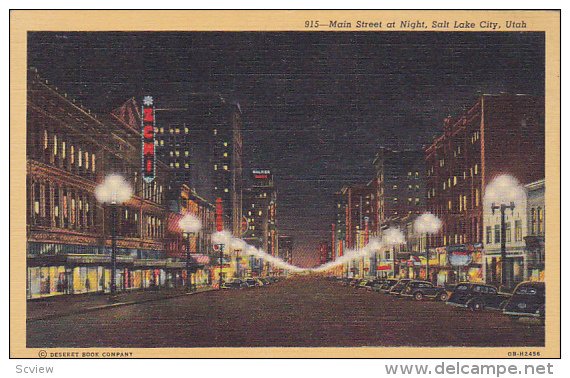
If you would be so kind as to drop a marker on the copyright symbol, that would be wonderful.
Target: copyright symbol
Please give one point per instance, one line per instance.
(42, 354)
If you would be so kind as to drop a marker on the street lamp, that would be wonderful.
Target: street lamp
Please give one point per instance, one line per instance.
(393, 237)
(502, 194)
(220, 240)
(427, 224)
(238, 245)
(190, 225)
(113, 190)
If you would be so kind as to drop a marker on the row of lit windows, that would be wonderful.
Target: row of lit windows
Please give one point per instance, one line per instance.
(508, 233)
(64, 153)
(537, 221)
(224, 167)
(57, 206)
(473, 171)
(177, 153)
(177, 164)
(154, 227)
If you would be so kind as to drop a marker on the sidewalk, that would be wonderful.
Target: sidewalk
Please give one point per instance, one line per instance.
(62, 305)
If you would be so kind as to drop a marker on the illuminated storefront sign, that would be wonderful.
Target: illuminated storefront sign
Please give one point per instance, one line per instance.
(148, 151)
(261, 174)
(459, 255)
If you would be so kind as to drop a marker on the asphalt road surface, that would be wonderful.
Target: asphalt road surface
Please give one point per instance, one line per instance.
(301, 311)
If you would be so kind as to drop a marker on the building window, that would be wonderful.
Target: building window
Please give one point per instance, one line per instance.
(225, 167)
(508, 232)
(489, 233)
(476, 197)
(476, 168)
(518, 230)
(533, 221)
(92, 162)
(497, 233)
(540, 216)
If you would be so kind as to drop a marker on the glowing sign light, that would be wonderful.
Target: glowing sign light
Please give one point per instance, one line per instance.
(148, 152)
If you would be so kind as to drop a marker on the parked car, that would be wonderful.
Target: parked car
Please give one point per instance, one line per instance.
(377, 284)
(477, 296)
(420, 290)
(265, 281)
(251, 282)
(386, 285)
(365, 284)
(235, 283)
(354, 282)
(396, 290)
(528, 300)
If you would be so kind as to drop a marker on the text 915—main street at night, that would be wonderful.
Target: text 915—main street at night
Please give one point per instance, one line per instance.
(415, 25)
(205, 189)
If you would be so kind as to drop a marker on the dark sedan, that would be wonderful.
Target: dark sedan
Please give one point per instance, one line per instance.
(528, 300)
(399, 287)
(477, 297)
(420, 290)
(234, 284)
(386, 286)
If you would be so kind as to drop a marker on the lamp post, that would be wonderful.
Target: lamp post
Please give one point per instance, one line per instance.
(221, 248)
(503, 207)
(113, 190)
(238, 245)
(427, 224)
(504, 193)
(393, 237)
(190, 225)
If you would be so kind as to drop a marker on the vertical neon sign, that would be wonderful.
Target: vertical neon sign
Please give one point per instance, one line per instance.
(148, 152)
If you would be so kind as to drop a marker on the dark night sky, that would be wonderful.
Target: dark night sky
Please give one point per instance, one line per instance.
(316, 105)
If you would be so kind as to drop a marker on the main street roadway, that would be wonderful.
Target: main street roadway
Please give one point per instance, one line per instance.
(300, 311)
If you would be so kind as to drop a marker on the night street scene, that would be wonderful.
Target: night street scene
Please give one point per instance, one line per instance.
(285, 189)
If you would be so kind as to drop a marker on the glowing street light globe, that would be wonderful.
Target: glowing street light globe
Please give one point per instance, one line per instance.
(504, 189)
(114, 189)
(238, 244)
(427, 223)
(190, 224)
(393, 236)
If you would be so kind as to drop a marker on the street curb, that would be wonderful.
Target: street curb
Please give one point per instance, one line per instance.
(112, 305)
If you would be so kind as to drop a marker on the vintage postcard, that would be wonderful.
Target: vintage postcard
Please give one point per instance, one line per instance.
(285, 184)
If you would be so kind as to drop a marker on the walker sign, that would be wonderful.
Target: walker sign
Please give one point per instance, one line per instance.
(148, 154)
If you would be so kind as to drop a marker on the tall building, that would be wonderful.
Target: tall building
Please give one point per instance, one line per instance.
(358, 202)
(260, 210)
(69, 152)
(400, 185)
(205, 131)
(499, 134)
(226, 162)
(285, 249)
(360, 214)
